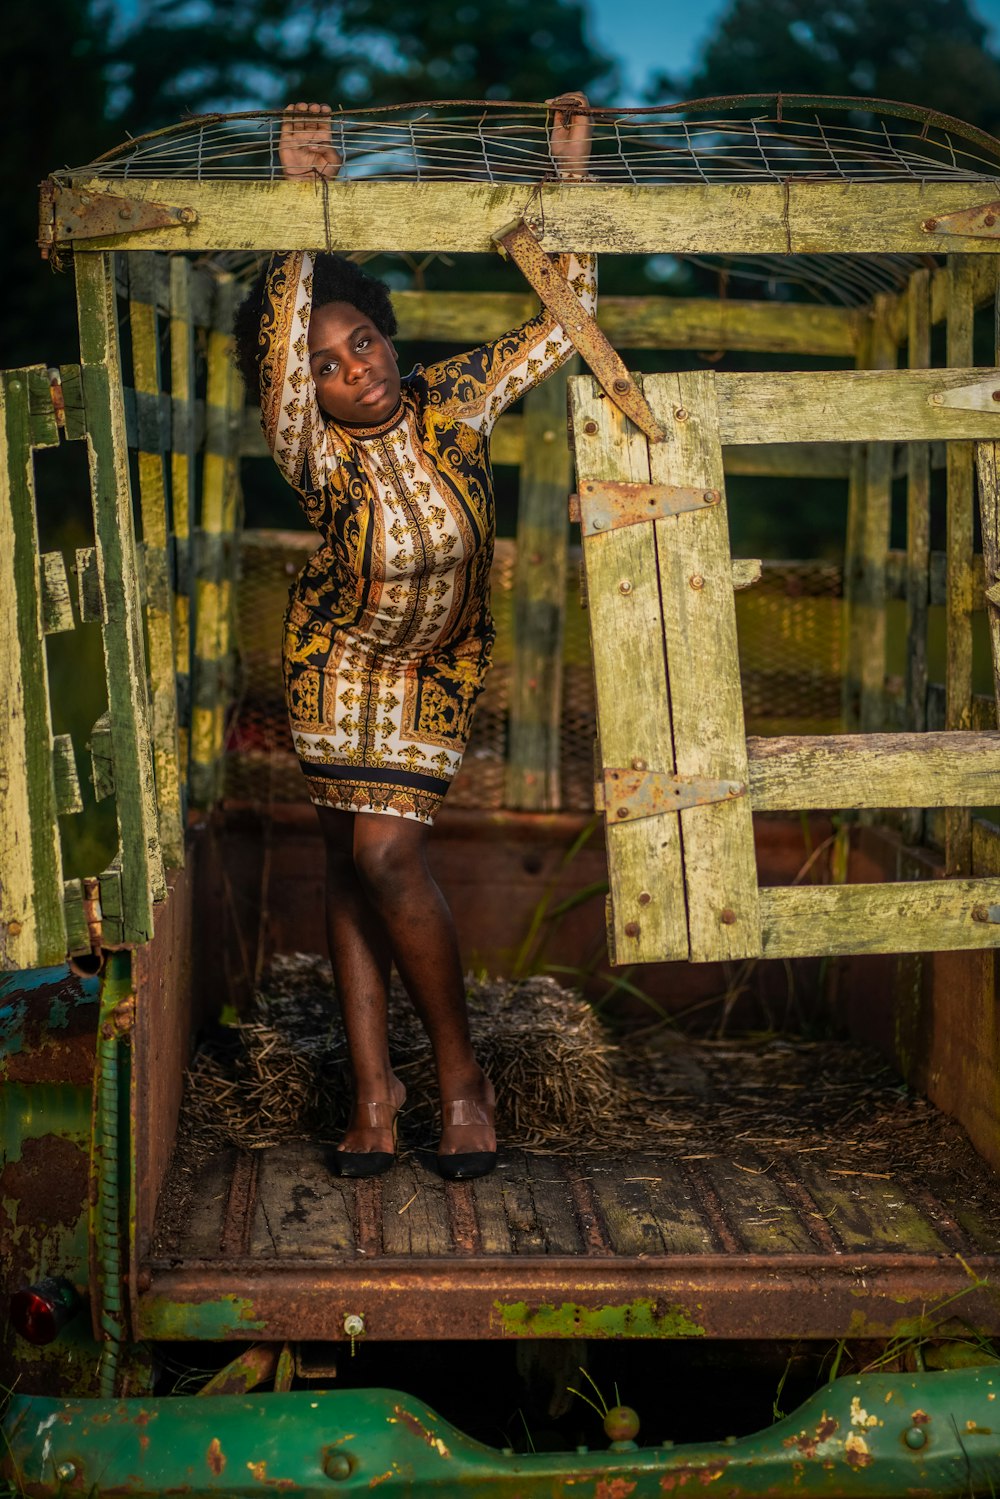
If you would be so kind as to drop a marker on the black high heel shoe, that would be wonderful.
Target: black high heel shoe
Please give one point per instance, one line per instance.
(358, 1163)
(464, 1165)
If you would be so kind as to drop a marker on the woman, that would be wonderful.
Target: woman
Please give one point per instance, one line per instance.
(388, 630)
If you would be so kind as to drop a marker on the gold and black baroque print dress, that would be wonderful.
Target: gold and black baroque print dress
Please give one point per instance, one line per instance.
(388, 630)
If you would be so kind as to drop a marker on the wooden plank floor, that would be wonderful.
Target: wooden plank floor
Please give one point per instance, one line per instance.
(847, 1230)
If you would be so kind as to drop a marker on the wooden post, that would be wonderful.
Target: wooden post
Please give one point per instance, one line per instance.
(870, 605)
(182, 491)
(141, 863)
(958, 685)
(153, 443)
(216, 551)
(988, 475)
(532, 772)
(918, 532)
(32, 926)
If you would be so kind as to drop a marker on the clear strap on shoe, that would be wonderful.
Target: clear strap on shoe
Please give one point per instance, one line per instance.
(465, 1111)
(378, 1115)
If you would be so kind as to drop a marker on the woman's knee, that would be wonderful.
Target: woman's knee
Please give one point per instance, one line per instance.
(389, 859)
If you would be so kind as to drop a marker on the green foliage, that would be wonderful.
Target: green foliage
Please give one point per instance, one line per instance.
(930, 52)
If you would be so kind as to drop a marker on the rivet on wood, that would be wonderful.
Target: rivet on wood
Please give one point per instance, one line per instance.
(188, 216)
(638, 764)
(711, 496)
(645, 898)
(624, 586)
(990, 220)
(590, 428)
(930, 225)
(632, 929)
(727, 917)
(622, 812)
(681, 414)
(548, 435)
(696, 581)
(980, 913)
(996, 395)
(622, 386)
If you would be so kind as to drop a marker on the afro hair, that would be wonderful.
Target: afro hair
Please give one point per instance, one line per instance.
(334, 280)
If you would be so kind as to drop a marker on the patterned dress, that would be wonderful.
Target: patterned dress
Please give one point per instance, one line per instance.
(388, 630)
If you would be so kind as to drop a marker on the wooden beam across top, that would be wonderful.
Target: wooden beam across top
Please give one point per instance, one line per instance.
(763, 218)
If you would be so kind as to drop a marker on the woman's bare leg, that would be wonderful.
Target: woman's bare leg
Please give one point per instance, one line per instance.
(390, 856)
(361, 957)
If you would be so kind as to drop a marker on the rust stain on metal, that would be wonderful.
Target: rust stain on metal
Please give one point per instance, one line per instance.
(614, 1488)
(418, 1429)
(856, 1453)
(808, 1443)
(606, 504)
(216, 1458)
(648, 793)
(920, 1418)
(558, 296)
(680, 1476)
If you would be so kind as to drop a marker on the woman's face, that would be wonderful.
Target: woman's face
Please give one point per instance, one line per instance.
(353, 365)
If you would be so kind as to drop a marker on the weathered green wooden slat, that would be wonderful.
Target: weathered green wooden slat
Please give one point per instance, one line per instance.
(57, 606)
(77, 936)
(647, 918)
(213, 586)
(839, 771)
(531, 780)
(773, 218)
(102, 758)
(159, 603)
(32, 930)
(135, 799)
(937, 578)
(699, 624)
(67, 783)
(182, 484)
(90, 595)
(959, 530)
(869, 604)
(75, 429)
(850, 406)
(918, 530)
(856, 585)
(988, 474)
(905, 916)
(649, 322)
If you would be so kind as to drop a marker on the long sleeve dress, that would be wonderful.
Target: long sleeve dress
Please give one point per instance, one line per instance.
(388, 630)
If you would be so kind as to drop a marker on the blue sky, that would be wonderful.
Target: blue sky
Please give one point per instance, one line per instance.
(651, 34)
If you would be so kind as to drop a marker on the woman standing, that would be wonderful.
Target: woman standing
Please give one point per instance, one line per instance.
(388, 630)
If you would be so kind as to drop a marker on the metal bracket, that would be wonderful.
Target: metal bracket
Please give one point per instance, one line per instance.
(633, 794)
(518, 241)
(980, 395)
(67, 215)
(982, 222)
(604, 505)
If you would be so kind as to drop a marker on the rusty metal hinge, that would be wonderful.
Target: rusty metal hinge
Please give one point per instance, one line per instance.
(634, 794)
(604, 505)
(518, 241)
(66, 214)
(982, 222)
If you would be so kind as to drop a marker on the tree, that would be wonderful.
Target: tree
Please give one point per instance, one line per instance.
(930, 52)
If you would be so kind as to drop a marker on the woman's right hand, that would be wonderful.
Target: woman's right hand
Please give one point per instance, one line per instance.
(305, 146)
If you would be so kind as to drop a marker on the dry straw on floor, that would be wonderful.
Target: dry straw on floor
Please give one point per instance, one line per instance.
(564, 1082)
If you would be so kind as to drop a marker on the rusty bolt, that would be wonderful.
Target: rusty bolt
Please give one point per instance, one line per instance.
(980, 913)
(125, 212)
(681, 414)
(736, 790)
(188, 216)
(590, 428)
(728, 916)
(14, 927)
(638, 764)
(622, 812)
(697, 582)
(930, 225)
(990, 220)
(645, 898)
(710, 496)
(624, 586)
(621, 386)
(337, 1465)
(996, 395)
(632, 929)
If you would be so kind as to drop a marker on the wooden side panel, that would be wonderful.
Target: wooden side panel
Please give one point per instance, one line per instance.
(648, 920)
(874, 771)
(32, 930)
(699, 624)
(918, 529)
(182, 487)
(958, 607)
(141, 863)
(532, 770)
(870, 606)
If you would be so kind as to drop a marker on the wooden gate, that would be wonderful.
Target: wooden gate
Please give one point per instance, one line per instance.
(678, 780)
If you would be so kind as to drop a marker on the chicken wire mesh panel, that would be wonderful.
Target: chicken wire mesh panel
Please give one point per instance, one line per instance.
(741, 138)
(790, 633)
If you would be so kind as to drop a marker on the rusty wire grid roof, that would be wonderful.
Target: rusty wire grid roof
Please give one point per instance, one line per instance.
(741, 138)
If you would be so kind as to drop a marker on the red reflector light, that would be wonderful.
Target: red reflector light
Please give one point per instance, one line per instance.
(40, 1312)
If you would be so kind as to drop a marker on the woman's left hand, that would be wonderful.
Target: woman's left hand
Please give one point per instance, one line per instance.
(305, 146)
(569, 141)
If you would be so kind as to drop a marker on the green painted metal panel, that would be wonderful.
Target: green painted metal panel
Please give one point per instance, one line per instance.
(876, 1435)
